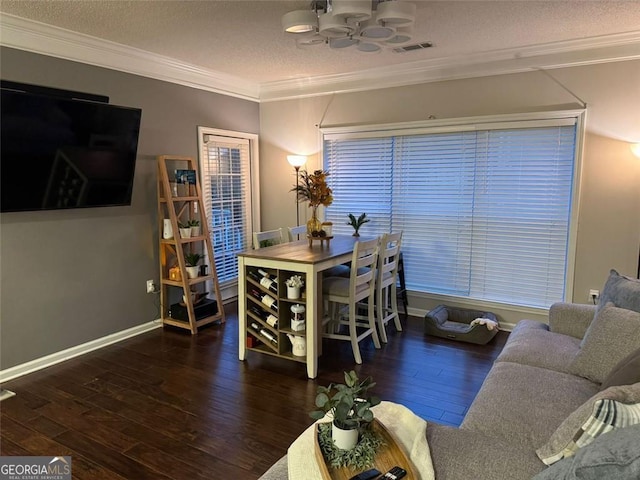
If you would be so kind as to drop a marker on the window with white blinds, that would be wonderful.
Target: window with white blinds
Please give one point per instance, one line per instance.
(226, 187)
(485, 211)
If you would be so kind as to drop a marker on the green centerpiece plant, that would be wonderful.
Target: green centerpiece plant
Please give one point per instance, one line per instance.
(356, 223)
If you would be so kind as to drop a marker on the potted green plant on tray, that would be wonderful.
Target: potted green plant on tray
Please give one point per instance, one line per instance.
(349, 405)
(192, 259)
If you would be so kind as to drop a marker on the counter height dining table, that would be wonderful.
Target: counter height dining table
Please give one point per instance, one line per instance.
(280, 262)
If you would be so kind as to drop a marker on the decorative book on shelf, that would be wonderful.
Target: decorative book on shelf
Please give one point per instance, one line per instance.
(186, 181)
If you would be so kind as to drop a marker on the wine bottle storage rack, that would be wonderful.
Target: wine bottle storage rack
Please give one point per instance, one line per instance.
(261, 344)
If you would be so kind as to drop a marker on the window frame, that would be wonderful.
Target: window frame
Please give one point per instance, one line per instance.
(530, 119)
(229, 288)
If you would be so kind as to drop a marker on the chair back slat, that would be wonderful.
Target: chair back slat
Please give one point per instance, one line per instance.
(272, 237)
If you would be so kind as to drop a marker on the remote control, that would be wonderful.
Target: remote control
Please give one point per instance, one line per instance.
(393, 474)
(367, 475)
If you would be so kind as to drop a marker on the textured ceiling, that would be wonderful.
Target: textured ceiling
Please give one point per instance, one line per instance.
(244, 38)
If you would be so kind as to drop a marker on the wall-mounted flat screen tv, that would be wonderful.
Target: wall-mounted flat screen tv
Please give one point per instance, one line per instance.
(59, 152)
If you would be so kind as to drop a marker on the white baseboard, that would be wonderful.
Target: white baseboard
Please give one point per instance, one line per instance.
(55, 358)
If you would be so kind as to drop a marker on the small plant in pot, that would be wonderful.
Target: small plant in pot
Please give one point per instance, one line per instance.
(185, 230)
(195, 227)
(356, 223)
(349, 405)
(192, 259)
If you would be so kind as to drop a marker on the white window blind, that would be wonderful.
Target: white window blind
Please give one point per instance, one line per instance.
(485, 212)
(361, 177)
(227, 199)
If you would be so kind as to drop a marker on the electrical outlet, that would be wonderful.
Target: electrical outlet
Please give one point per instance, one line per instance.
(151, 287)
(594, 295)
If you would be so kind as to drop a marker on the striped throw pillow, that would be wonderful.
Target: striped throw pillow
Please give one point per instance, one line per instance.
(607, 415)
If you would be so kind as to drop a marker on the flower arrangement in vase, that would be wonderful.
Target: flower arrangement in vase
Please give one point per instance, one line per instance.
(313, 188)
(294, 284)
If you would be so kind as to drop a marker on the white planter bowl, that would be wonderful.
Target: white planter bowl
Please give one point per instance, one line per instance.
(344, 439)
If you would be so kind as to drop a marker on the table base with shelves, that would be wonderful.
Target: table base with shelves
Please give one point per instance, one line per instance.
(282, 261)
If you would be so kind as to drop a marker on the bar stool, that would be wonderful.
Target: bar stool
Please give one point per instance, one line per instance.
(295, 231)
(349, 292)
(267, 238)
(402, 286)
(386, 288)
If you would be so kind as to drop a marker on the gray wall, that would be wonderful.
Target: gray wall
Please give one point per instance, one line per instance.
(69, 277)
(608, 233)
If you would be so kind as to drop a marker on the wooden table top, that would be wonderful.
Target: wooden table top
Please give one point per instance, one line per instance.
(300, 251)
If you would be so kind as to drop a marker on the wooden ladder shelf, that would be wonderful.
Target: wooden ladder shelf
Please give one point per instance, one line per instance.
(185, 302)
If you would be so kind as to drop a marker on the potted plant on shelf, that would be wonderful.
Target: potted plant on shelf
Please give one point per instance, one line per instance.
(313, 188)
(192, 260)
(356, 223)
(195, 227)
(294, 284)
(185, 230)
(349, 405)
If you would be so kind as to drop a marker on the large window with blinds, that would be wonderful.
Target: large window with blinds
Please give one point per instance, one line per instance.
(225, 162)
(485, 208)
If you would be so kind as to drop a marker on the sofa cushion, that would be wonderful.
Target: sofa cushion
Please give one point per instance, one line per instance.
(613, 334)
(559, 444)
(612, 455)
(624, 373)
(531, 343)
(623, 292)
(524, 404)
(459, 454)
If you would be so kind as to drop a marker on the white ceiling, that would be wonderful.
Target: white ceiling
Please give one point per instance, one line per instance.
(244, 39)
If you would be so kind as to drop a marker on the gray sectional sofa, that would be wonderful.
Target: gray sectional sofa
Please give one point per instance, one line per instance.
(552, 388)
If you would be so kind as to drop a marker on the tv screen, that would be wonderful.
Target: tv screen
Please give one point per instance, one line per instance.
(58, 152)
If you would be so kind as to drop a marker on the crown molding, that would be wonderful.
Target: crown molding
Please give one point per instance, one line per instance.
(602, 49)
(37, 37)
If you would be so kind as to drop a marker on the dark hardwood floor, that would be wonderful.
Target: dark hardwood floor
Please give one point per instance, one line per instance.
(168, 405)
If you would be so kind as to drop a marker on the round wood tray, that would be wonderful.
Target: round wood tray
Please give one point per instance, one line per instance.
(388, 456)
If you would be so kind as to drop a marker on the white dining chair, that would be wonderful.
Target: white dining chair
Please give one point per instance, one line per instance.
(295, 231)
(386, 288)
(267, 238)
(345, 296)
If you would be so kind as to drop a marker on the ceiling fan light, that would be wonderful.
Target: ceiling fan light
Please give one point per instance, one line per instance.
(369, 47)
(372, 30)
(331, 26)
(403, 35)
(358, 10)
(394, 12)
(299, 21)
(342, 42)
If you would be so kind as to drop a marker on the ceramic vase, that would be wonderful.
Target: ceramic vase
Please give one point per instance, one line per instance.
(344, 439)
(167, 230)
(313, 224)
(192, 272)
(293, 292)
